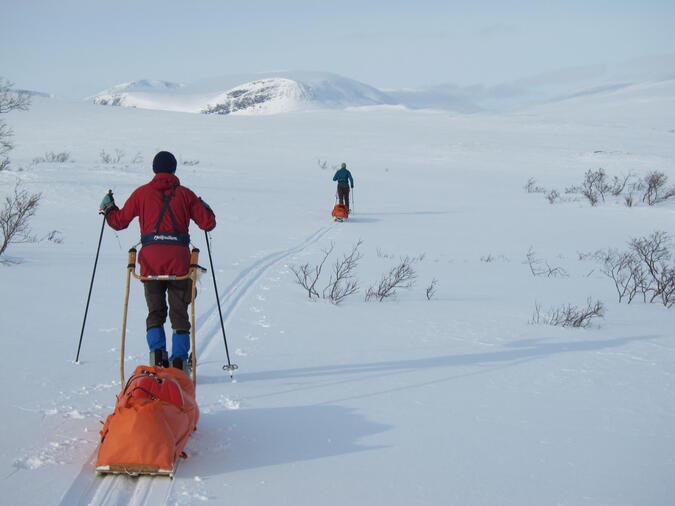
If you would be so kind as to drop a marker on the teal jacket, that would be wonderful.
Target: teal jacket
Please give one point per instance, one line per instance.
(344, 178)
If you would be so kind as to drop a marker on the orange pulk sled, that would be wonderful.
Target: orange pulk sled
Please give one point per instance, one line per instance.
(340, 212)
(156, 411)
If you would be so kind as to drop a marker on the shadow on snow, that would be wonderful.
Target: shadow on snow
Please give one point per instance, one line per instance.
(519, 350)
(253, 438)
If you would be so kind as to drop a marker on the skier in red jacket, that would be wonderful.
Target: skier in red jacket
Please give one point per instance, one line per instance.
(164, 209)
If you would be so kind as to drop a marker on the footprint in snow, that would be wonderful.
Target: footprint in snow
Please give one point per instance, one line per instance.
(263, 323)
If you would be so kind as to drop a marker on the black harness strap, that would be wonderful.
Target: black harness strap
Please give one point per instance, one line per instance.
(167, 207)
(174, 237)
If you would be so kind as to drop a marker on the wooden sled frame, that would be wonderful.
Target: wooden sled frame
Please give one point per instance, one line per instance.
(195, 268)
(137, 470)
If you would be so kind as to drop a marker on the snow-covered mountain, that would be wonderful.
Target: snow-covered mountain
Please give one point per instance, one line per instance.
(651, 101)
(286, 91)
(265, 93)
(134, 93)
(264, 96)
(546, 87)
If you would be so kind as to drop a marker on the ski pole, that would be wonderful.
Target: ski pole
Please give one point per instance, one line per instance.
(230, 366)
(91, 285)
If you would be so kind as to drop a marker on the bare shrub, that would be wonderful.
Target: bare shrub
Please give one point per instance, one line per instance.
(624, 269)
(591, 196)
(307, 275)
(618, 184)
(594, 186)
(6, 144)
(540, 267)
(490, 258)
(533, 262)
(644, 269)
(532, 187)
(15, 217)
(342, 283)
(324, 165)
(655, 188)
(9, 101)
(109, 158)
(400, 276)
(628, 200)
(555, 271)
(431, 289)
(587, 255)
(568, 315)
(597, 186)
(190, 163)
(654, 253)
(553, 196)
(55, 236)
(12, 100)
(138, 158)
(52, 157)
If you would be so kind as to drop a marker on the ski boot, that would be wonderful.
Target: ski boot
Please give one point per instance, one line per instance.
(159, 358)
(182, 364)
(180, 351)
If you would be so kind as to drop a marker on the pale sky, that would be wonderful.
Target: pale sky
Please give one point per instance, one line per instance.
(75, 48)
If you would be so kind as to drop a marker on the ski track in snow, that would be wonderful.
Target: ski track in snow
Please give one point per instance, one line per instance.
(237, 290)
(116, 489)
(120, 490)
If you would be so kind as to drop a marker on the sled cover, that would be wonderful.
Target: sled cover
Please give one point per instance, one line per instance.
(340, 211)
(153, 419)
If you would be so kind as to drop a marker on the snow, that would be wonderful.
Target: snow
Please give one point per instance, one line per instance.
(453, 400)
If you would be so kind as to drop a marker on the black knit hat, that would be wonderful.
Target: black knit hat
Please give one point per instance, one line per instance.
(164, 162)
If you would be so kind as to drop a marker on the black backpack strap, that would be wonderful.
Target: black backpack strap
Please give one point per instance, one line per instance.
(167, 208)
(175, 237)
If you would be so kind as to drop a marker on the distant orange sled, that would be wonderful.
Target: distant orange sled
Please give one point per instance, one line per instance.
(340, 212)
(153, 419)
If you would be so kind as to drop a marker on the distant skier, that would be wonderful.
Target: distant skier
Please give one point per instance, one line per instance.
(344, 182)
(164, 209)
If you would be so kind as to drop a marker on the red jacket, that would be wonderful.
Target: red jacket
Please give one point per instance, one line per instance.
(146, 203)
